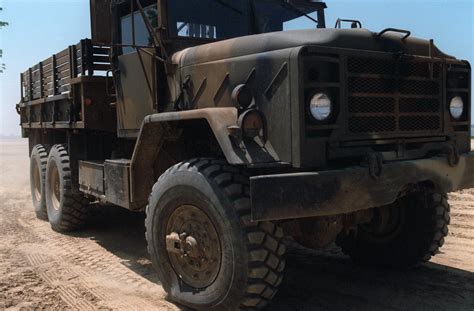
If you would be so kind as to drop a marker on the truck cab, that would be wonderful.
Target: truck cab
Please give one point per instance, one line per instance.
(180, 26)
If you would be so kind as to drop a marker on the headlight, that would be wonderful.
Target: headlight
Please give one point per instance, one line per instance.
(456, 107)
(320, 106)
(252, 124)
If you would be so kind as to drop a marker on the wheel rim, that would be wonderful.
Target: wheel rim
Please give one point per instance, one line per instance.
(387, 223)
(197, 265)
(55, 188)
(36, 182)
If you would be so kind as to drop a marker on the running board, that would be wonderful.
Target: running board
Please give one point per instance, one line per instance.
(108, 181)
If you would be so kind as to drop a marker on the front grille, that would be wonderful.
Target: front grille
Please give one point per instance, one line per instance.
(414, 105)
(390, 96)
(385, 85)
(371, 104)
(372, 124)
(419, 123)
(406, 68)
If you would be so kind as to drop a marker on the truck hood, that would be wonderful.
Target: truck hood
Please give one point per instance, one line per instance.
(360, 39)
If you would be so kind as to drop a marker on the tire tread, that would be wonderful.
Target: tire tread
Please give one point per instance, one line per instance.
(430, 240)
(264, 240)
(75, 209)
(42, 152)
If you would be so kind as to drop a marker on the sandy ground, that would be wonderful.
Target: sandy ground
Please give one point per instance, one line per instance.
(106, 266)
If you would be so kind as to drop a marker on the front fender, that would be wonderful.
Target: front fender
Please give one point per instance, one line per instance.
(154, 131)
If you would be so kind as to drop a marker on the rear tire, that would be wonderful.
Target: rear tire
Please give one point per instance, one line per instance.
(250, 267)
(414, 231)
(67, 207)
(38, 161)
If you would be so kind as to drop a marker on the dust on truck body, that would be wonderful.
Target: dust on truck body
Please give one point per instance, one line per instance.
(232, 132)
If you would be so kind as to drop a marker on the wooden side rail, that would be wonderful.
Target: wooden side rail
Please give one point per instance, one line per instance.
(53, 76)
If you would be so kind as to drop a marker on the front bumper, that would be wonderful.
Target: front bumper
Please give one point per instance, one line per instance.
(298, 195)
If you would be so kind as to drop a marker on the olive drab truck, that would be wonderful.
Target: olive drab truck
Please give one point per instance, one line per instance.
(231, 128)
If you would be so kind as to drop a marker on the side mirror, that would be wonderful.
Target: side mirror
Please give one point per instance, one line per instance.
(101, 22)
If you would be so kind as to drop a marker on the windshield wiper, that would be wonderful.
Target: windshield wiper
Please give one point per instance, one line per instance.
(293, 7)
(223, 3)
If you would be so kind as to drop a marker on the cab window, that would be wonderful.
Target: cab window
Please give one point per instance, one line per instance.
(142, 37)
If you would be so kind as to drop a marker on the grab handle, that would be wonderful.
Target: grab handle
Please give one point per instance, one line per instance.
(354, 23)
(406, 32)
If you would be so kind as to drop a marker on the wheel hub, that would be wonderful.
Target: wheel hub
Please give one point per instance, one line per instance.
(387, 222)
(55, 187)
(37, 183)
(193, 246)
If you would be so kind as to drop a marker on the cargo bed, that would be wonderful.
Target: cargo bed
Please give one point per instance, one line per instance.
(69, 90)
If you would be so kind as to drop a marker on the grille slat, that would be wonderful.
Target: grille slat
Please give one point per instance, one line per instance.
(419, 123)
(389, 96)
(371, 104)
(415, 105)
(405, 68)
(372, 124)
(419, 87)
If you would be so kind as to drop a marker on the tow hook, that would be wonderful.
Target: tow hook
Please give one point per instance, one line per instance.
(375, 163)
(452, 155)
(182, 244)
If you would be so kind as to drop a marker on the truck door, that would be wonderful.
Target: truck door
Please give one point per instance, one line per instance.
(137, 72)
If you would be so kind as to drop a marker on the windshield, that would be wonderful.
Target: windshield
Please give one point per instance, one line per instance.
(221, 19)
(208, 19)
(274, 15)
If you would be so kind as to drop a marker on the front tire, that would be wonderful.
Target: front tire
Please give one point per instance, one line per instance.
(209, 200)
(38, 161)
(66, 205)
(403, 234)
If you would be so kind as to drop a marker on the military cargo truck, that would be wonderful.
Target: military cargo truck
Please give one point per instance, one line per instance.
(232, 132)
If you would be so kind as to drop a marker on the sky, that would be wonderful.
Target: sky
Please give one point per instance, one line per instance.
(40, 28)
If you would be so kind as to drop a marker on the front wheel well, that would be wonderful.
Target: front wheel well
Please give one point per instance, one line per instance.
(189, 139)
